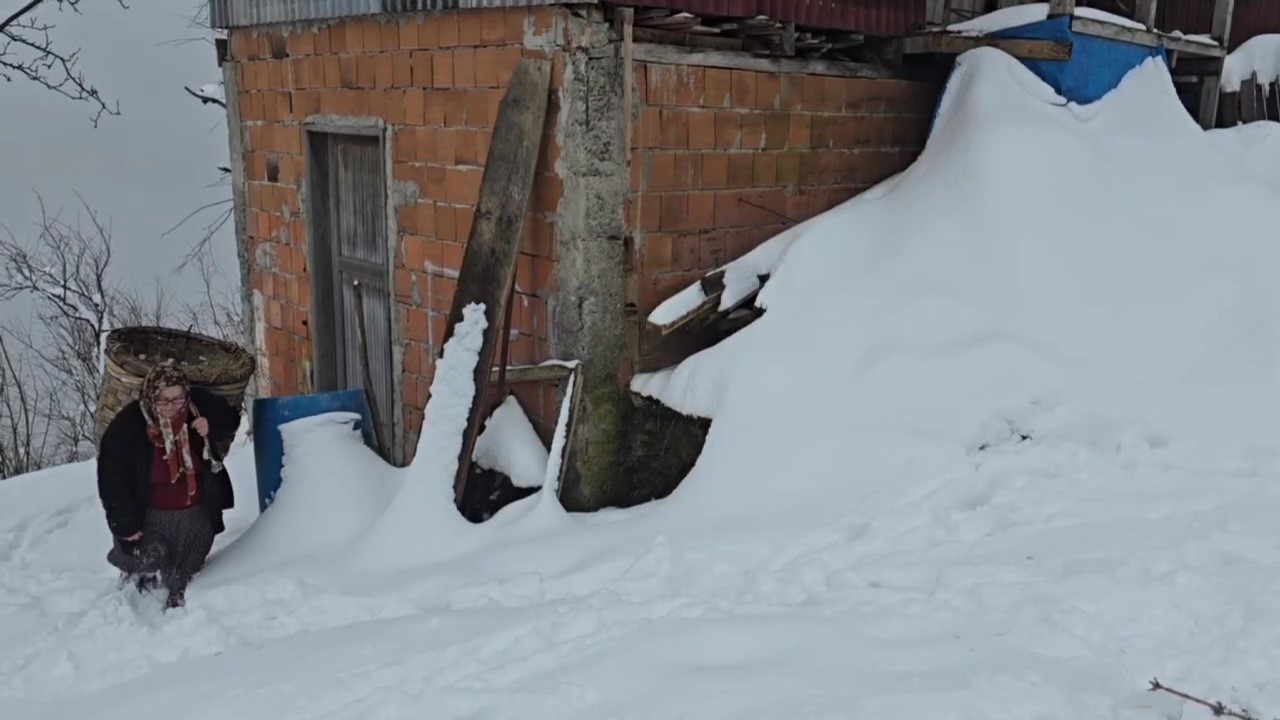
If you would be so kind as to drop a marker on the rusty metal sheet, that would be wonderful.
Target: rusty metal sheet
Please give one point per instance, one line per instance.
(1251, 17)
(871, 17)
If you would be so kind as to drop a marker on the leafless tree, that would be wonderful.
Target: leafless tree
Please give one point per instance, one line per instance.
(28, 51)
(24, 430)
(65, 271)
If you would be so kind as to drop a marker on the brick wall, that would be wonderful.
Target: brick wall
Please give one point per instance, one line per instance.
(436, 80)
(725, 159)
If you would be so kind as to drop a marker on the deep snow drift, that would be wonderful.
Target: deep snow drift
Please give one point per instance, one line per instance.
(1002, 446)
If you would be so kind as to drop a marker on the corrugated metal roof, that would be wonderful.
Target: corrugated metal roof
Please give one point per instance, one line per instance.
(873, 17)
(247, 13)
(1251, 17)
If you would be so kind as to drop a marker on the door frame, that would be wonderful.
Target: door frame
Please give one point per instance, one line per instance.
(326, 328)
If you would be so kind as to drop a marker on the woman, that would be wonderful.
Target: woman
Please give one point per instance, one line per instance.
(162, 487)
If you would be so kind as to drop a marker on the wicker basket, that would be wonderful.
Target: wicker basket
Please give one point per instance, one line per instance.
(222, 367)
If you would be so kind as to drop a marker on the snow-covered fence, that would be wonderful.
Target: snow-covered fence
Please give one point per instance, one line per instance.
(1256, 100)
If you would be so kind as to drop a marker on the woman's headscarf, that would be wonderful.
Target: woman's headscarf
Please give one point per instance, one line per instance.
(173, 435)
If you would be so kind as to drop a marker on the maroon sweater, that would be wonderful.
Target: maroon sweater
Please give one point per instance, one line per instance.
(167, 495)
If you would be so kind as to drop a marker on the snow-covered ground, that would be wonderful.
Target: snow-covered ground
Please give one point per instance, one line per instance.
(1002, 446)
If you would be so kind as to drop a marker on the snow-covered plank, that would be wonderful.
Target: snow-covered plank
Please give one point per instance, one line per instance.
(488, 267)
(944, 44)
(550, 371)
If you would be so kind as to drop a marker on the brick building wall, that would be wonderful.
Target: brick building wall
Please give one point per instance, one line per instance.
(436, 80)
(724, 159)
(720, 160)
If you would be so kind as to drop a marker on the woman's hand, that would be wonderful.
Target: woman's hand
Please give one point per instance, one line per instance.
(202, 426)
(134, 537)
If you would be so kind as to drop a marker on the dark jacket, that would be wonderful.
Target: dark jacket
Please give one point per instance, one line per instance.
(124, 464)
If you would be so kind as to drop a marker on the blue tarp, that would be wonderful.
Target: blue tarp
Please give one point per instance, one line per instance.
(1096, 66)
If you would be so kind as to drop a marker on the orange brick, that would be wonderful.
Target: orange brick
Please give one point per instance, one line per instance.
(347, 37)
(702, 129)
(469, 27)
(493, 26)
(689, 86)
(649, 129)
(657, 253)
(464, 66)
(322, 41)
(302, 42)
(715, 170)
(662, 171)
(416, 328)
(661, 80)
(701, 206)
(547, 191)
(463, 185)
(332, 71)
(513, 21)
(675, 128)
(383, 71)
(812, 92)
(395, 107)
(768, 91)
(481, 109)
(791, 95)
(488, 65)
(454, 103)
(413, 106)
(467, 147)
(728, 129)
(446, 147)
(798, 133)
(442, 77)
(420, 68)
(675, 211)
(743, 88)
(451, 253)
(371, 30)
(364, 71)
(649, 207)
(753, 131)
(448, 28)
(544, 271)
(429, 31)
(712, 251)
(408, 30)
(741, 170)
(777, 128)
(766, 169)
(719, 88)
(348, 67)
(789, 168)
(446, 222)
(390, 29)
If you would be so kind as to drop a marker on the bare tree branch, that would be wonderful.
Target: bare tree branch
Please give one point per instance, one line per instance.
(204, 99)
(28, 50)
(1219, 709)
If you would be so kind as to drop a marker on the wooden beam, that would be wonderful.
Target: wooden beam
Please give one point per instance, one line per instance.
(668, 37)
(944, 44)
(1061, 7)
(1146, 38)
(1223, 12)
(1145, 12)
(489, 261)
(1209, 92)
(571, 427)
(545, 373)
(671, 55)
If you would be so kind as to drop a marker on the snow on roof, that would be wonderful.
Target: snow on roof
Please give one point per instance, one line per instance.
(1259, 56)
(1020, 15)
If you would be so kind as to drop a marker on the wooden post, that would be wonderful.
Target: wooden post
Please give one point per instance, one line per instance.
(1062, 7)
(489, 261)
(1223, 10)
(1145, 12)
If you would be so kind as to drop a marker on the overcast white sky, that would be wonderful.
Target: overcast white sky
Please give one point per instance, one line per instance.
(143, 170)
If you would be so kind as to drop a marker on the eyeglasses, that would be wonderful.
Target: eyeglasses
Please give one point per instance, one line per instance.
(167, 401)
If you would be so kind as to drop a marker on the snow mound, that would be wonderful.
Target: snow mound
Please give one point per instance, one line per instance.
(320, 507)
(1256, 146)
(1259, 55)
(1027, 278)
(511, 446)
